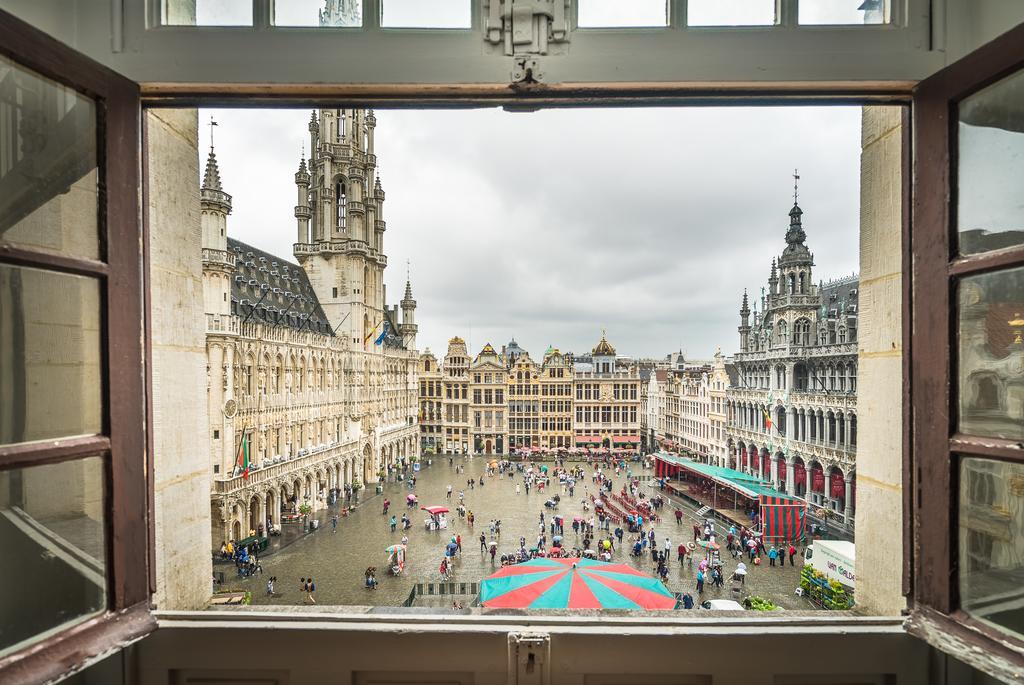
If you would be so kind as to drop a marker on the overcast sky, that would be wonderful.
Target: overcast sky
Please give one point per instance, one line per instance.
(554, 225)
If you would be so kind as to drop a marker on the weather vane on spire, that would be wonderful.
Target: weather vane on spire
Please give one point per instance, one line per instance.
(212, 124)
(796, 180)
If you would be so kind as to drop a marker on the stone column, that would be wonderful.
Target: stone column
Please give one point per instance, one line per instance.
(773, 470)
(790, 475)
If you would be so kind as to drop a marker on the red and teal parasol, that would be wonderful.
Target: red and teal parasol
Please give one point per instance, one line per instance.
(573, 584)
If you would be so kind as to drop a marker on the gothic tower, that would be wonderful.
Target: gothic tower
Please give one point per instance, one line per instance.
(796, 260)
(744, 327)
(409, 327)
(218, 263)
(341, 13)
(340, 222)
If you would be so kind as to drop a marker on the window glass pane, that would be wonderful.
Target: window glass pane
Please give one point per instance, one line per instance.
(330, 13)
(49, 355)
(615, 13)
(208, 13)
(990, 213)
(428, 14)
(48, 174)
(844, 11)
(991, 553)
(991, 362)
(53, 541)
(730, 12)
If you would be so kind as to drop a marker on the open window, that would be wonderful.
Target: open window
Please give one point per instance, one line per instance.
(967, 342)
(73, 471)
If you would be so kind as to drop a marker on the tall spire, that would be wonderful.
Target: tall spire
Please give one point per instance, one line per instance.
(795, 235)
(408, 284)
(211, 179)
(745, 307)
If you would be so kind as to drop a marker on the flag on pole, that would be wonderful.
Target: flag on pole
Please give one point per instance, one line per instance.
(383, 334)
(242, 460)
(371, 332)
(767, 418)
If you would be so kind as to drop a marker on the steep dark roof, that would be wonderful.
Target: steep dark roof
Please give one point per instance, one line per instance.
(280, 288)
(839, 295)
(733, 373)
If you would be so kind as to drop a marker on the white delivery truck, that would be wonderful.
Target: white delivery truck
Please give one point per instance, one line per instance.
(834, 558)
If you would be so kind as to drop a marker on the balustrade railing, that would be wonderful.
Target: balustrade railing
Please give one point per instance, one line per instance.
(222, 323)
(221, 257)
(262, 474)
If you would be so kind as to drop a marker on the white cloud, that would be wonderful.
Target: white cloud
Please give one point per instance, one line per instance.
(553, 225)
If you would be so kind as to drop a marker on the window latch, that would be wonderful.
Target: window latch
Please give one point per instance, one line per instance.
(529, 658)
(536, 27)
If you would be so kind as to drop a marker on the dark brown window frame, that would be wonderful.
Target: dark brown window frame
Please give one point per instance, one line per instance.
(122, 443)
(937, 447)
(130, 491)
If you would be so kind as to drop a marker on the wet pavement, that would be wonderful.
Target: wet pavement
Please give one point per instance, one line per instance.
(337, 559)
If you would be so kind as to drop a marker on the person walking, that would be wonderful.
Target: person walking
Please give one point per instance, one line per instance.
(773, 554)
(449, 495)
(700, 581)
(387, 503)
(792, 554)
(483, 542)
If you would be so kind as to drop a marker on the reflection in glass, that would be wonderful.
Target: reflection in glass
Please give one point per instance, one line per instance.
(48, 174)
(208, 12)
(990, 207)
(844, 12)
(991, 360)
(615, 13)
(324, 13)
(730, 13)
(992, 542)
(436, 14)
(50, 384)
(53, 549)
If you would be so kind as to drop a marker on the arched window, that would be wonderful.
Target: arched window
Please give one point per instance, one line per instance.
(803, 282)
(341, 205)
(341, 126)
(792, 284)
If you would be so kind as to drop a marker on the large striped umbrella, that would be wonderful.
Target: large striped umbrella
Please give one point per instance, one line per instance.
(573, 584)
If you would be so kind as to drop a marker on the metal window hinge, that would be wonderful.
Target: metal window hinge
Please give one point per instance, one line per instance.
(529, 659)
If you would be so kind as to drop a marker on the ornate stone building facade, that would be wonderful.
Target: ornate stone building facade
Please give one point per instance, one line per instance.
(555, 400)
(523, 399)
(306, 362)
(506, 402)
(487, 407)
(606, 401)
(455, 379)
(431, 404)
(793, 409)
